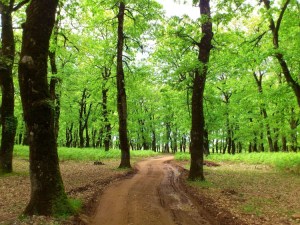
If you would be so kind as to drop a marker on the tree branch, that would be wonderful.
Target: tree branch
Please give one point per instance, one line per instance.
(187, 37)
(20, 5)
(281, 16)
(258, 38)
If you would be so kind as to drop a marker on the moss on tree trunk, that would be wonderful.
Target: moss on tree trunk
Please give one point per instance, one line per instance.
(47, 190)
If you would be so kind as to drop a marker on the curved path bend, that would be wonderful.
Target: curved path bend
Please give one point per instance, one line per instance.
(153, 196)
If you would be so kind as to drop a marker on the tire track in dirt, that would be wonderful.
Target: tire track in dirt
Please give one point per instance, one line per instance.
(153, 196)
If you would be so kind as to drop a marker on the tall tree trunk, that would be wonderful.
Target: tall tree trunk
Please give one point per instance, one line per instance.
(153, 143)
(153, 131)
(168, 137)
(174, 141)
(69, 135)
(47, 190)
(293, 125)
(8, 120)
(197, 131)
(121, 100)
(25, 140)
(258, 79)
(206, 143)
(279, 56)
(107, 125)
(55, 97)
(84, 114)
(81, 124)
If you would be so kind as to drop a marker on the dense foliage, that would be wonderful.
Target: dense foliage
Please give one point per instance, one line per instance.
(249, 105)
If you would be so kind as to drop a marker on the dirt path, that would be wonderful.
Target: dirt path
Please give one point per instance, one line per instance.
(152, 196)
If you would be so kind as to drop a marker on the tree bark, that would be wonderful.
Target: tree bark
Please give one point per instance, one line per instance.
(47, 190)
(8, 120)
(121, 99)
(198, 126)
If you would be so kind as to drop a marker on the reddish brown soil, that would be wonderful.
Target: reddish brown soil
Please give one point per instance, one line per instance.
(154, 195)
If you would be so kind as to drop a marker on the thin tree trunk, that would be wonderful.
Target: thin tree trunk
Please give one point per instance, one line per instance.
(279, 56)
(293, 125)
(47, 190)
(153, 144)
(69, 135)
(122, 102)
(81, 120)
(54, 95)
(107, 125)
(198, 126)
(258, 79)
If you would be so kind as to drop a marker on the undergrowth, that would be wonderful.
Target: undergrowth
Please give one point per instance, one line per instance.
(289, 162)
(84, 154)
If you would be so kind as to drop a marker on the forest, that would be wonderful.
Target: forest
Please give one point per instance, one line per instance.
(120, 74)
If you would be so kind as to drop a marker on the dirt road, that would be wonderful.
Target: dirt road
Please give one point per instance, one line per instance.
(153, 196)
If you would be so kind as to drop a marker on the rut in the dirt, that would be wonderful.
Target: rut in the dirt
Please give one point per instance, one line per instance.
(151, 197)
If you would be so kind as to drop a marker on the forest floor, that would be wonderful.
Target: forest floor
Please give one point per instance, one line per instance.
(233, 194)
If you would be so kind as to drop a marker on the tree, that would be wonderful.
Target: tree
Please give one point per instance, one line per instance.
(121, 100)
(47, 190)
(7, 57)
(198, 123)
(279, 55)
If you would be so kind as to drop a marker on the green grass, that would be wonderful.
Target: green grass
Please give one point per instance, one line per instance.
(84, 154)
(251, 209)
(283, 161)
(76, 204)
(202, 184)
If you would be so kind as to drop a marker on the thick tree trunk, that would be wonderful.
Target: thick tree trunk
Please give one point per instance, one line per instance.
(121, 100)
(198, 126)
(197, 131)
(8, 120)
(47, 190)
